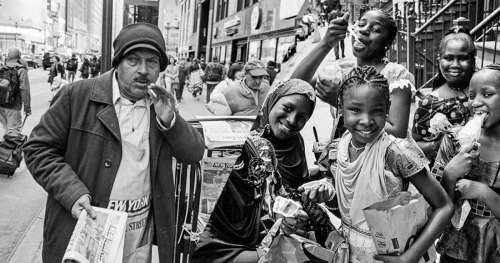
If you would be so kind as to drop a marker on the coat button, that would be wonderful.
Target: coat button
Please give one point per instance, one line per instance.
(107, 163)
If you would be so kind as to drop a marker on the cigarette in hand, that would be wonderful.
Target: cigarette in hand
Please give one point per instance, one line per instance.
(152, 93)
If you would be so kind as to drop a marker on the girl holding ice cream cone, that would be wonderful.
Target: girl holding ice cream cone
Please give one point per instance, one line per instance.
(469, 163)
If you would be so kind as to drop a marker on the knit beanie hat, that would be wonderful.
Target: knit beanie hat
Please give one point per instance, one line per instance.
(140, 35)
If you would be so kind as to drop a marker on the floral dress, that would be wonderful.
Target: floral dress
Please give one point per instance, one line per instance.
(383, 169)
(479, 239)
(455, 109)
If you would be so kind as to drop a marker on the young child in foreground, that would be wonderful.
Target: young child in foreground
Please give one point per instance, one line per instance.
(469, 163)
(373, 165)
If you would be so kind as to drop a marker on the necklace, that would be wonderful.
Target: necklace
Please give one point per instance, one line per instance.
(356, 149)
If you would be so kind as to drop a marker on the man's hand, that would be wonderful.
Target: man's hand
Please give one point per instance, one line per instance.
(318, 191)
(164, 103)
(82, 203)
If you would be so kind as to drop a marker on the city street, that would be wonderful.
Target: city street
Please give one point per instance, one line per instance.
(23, 200)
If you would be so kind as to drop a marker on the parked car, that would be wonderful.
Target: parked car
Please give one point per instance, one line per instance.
(31, 61)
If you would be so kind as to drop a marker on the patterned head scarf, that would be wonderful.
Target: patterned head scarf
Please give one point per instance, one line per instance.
(289, 87)
(290, 153)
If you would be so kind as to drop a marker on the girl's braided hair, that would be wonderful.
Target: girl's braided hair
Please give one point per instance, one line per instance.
(366, 75)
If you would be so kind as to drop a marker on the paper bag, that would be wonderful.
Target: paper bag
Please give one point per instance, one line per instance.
(396, 222)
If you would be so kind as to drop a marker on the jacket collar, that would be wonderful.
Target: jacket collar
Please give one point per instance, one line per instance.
(102, 89)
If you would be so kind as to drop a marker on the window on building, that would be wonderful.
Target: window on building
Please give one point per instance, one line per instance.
(268, 50)
(222, 8)
(248, 3)
(283, 44)
(254, 50)
(241, 5)
(140, 13)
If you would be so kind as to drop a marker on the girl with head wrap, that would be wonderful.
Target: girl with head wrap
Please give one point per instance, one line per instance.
(272, 163)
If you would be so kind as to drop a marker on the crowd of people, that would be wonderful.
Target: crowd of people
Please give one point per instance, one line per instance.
(113, 139)
(373, 154)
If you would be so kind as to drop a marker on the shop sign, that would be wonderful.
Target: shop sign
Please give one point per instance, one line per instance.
(231, 31)
(235, 21)
(255, 18)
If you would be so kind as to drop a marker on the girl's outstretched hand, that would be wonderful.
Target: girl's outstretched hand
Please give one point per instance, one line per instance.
(336, 31)
(471, 189)
(462, 163)
(317, 191)
(293, 225)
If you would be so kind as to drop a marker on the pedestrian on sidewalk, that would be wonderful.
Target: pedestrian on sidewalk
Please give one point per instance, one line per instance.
(214, 74)
(111, 140)
(244, 97)
(95, 67)
(182, 75)
(72, 66)
(85, 69)
(10, 114)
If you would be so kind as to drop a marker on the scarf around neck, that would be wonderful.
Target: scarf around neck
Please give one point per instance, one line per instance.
(361, 182)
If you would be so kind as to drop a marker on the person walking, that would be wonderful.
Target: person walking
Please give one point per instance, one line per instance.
(10, 114)
(110, 140)
(85, 69)
(182, 76)
(72, 66)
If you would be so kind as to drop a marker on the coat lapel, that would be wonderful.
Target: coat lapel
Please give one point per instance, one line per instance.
(155, 144)
(102, 92)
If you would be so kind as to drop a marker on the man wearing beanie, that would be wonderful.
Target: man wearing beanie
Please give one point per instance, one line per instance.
(244, 97)
(10, 114)
(108, 142)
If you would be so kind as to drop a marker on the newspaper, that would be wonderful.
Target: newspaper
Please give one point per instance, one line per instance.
(225, 130)
(215, 171)
(97, 241)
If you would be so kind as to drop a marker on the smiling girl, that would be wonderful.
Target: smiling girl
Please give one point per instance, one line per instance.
(472, 174)
(374, 34)
(449, 97)
(373, 165)
(272, 163)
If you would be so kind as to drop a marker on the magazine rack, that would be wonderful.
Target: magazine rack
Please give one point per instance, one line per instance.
(188, 189)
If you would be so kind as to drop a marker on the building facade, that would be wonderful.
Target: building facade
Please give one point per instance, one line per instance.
(238, 30)
(23, 24)
(169, 24)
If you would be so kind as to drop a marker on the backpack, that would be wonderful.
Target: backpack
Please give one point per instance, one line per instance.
(214, 72)
(9, 85)
(71, 65)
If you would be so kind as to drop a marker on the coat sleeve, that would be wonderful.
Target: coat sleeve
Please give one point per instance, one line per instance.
(44, 153)
(186, 142)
